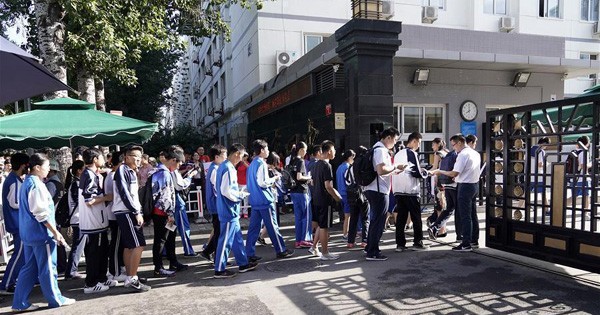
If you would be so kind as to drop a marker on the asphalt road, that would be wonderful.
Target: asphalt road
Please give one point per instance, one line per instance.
(436, 281)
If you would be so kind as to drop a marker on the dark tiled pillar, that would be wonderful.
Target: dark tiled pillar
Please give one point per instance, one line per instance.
(367, 48)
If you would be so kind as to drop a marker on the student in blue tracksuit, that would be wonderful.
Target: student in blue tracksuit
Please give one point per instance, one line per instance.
(262, 202)
(229, 198)
(218, 154)
(10, 209)
(181, 183)
(340, 180)
(37, 228)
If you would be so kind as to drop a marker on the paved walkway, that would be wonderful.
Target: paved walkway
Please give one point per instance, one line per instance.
(437, 281)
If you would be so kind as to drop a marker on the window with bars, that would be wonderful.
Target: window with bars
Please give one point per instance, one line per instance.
(550, 8)
(495, 7)
(590, 10)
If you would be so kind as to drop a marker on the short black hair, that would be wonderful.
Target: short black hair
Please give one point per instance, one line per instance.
(116, 158)
(18, 159)
(273, 159)
(544, 140)
(348, 154)
(134, 148)
(458, 138)
(174, 152)
(235, 148)
(90, 154)
(584, 140)
(77, 165)
(37, 159)
(258, 145)
(390, 132)
(414, 136)
(215, 151)
(327, 145)
(362, 150)
(316, 149)
(471, 138)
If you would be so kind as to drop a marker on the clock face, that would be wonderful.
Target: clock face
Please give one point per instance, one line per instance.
(468, 111)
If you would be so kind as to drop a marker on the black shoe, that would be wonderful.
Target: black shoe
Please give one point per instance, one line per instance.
(192, 255)
(142, 280)
(254, 258)
(224, 274)
(261, 241)
(442, 235)
(462, 248)
(288, 253)
(377, 257)
(179, 267)
(138, 286)
(205, 256)
(474, 245)
(432, 233)
(249, 267)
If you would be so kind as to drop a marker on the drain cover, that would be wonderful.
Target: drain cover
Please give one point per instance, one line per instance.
(293, 266)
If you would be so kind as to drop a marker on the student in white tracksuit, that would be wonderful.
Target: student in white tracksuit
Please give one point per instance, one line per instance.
(37, 228)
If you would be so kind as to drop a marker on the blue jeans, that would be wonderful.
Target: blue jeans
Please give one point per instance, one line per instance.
(378, 203)
(467, 209)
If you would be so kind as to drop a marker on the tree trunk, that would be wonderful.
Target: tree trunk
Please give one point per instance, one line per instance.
(100, 100)
(85, 85)
(51, 37)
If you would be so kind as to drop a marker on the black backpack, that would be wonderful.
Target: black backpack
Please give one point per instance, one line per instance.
(146, 199)
(363, 170)
(63, 212)
(354, 192)
(572, 162)
(289, 182)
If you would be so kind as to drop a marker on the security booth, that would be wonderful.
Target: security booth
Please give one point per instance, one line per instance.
(542, 199)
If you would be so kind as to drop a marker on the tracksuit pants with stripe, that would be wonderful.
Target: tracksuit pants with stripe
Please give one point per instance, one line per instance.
(77, 248)
(269, 217)
(40, 263)
(96, 258)
(302, 216)
(115, 249)
(183, 226)
(16, 262)
(230, 239)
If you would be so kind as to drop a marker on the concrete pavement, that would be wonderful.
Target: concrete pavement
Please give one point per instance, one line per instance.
(436, 281)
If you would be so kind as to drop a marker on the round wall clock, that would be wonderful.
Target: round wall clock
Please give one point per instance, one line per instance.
(468, 110)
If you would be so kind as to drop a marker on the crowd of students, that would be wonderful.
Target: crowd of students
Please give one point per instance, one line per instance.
(104, 199)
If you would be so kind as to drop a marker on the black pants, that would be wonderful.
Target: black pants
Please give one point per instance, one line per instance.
(115, 249)
(406, 205)
(359, 211)
(214, 240)
(450, 209)
(96, 258)
(163, 237)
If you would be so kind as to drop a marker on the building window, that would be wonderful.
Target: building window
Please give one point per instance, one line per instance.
(550, 8)
(494, 7)
(440, 4)
(589, 10)
(222, 85)
(589, 56)
(311, 41)
(429, 120)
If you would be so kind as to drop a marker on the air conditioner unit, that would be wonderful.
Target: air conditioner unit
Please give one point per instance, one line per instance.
(284, 59)
(430, 14)
(387, 11)
(507, 24)
(596, 30)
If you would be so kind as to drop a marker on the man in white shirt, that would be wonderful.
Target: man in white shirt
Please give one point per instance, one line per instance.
(378, 191)
(466, 173)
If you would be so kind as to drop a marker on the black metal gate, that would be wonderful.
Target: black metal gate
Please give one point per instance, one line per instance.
(537, 195)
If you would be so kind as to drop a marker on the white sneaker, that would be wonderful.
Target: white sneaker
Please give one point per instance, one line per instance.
(99, 287)
(68, 302)
(329, 256)
(314, 251)
(121, 278)
(111, 283)
(31, 307)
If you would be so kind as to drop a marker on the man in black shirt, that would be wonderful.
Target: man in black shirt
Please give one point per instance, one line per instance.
(324, 197)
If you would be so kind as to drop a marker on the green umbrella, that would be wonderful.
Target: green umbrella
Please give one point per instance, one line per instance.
(69, 122)
(594, 90)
